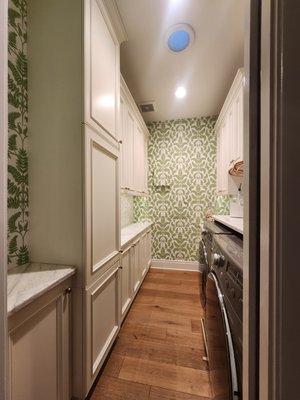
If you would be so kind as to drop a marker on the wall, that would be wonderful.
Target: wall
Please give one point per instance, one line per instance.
(127, 217)
(17, 134)
(182, 156)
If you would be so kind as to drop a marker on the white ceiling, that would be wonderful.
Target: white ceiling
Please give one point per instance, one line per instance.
(207, 69)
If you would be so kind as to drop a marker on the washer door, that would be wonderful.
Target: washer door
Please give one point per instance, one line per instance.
(223, 374)
(204, 271)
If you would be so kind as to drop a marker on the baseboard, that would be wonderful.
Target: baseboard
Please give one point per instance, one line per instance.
(177, 265)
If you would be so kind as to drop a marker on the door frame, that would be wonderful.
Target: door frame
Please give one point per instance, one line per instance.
(280, 217)
(251, 243)
(3, 200)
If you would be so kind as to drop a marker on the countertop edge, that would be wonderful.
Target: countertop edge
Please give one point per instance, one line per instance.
(30, 299)
(219, 218)
(148, 225)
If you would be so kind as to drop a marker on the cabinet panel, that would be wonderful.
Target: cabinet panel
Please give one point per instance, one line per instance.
(104, 176)
(102, 203)
(223, 157)
(138, 158)
(126, 284)
(136, 266)
(103, 75)
(102, 311)
(230, 131)
(143, 255)
(102, 78)
(149, 250)
(39, 350)
(127, 146)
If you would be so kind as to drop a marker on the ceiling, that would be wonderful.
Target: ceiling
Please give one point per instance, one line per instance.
(206, 70)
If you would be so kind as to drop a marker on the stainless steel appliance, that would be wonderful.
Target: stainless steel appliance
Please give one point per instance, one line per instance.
(221, 297)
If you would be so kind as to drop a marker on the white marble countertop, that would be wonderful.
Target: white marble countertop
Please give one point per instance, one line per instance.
(24, 284)
(234, 223)
(130, 232)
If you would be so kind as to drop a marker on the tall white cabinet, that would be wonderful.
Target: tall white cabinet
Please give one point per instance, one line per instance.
(74, 105)
(134, 146)
(230, 131)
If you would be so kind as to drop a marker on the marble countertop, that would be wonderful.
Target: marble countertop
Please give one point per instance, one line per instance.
(24, 284)
(130, 232)
(234, 223)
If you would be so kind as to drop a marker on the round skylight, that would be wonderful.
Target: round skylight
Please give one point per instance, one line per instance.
(179, 38)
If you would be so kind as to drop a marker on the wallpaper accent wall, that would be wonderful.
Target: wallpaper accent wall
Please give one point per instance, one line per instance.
(182, 186)
(126, 210)
(17, 134)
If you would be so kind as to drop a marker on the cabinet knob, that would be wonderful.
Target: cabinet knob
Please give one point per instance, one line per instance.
(120, 141)
(68, 290)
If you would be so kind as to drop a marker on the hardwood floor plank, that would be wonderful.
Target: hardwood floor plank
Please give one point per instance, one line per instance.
(184, 356)
(184, 288)
(181, 379)
(137, 331)
(157, 393)
(196, 326)
(193, 339)
(118, 389)
(169, 294)
(113, 365)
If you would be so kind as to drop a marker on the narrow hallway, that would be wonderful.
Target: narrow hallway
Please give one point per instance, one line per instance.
(158, 353)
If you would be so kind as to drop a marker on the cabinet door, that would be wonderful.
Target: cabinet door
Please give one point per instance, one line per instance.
(136, 266)
(102, 78)
(145, 167)
(143, 255)
(127, 146)
(240, 123)
(222, 158)
(149, 244)
(102, 320)
(126, 285)
(39, 350)
(138, 158)
(101, 204)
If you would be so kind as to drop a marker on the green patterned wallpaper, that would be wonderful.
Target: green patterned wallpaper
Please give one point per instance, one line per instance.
(17, 134)
(182, 186)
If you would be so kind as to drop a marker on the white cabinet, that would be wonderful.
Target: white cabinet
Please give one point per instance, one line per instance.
(134, 148)
(230, 131)
(127, 146)
(138, 159)
(126, 280)
(135, 265)
(102, 204)
(39, 348)
(74, 165)
(135, 262)
(102, 320)
(144, 254)
(101, 78)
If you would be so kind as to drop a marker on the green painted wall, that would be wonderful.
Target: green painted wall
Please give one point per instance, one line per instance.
(17, 134)
(182, 186)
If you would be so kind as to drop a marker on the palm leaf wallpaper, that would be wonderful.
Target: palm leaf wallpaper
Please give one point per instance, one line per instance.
(17, 134)
(182, 186)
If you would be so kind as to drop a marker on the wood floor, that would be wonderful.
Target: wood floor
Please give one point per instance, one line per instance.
(158, 353)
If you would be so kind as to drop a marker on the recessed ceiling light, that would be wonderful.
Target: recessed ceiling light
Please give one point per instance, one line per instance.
(180, 92)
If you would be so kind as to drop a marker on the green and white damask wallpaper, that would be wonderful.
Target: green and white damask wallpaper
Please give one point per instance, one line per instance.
(17, 134)
(182, 186)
